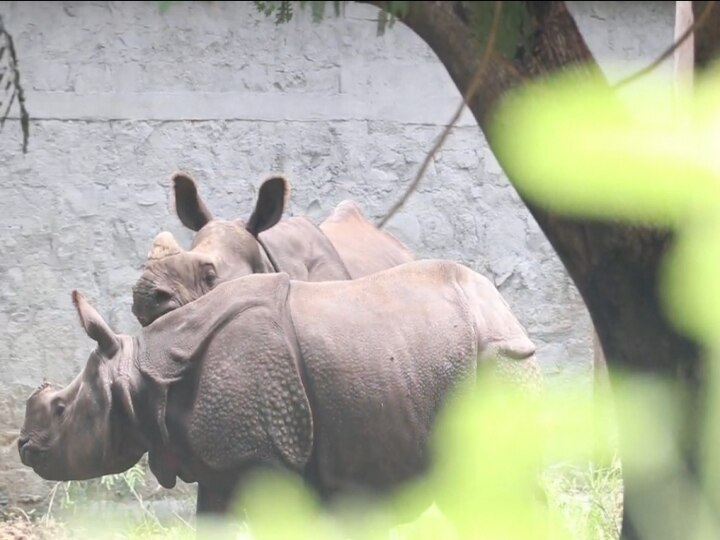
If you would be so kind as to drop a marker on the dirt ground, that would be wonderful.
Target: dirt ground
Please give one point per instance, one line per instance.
(20, 528)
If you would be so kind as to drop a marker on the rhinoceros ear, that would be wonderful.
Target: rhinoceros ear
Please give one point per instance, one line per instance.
(95, 327)
(270, 205)
(189, 206)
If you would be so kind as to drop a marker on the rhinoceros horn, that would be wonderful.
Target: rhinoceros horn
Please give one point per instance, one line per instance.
(164, 245)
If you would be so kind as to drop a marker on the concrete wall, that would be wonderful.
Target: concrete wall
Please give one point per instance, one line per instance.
(122, 95)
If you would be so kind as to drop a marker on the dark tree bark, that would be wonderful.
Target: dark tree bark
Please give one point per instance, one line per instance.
(10, 87)
(614, 266)
(707, 37)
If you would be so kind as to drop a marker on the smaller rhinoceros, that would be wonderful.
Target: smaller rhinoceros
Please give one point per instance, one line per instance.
(339, 382)
(344, 246)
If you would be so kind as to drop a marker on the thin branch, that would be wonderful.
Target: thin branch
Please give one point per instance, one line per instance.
(6, 76)
(6, 88)
(6, 112)
(472, 89)
(13, 67)
(670, 50)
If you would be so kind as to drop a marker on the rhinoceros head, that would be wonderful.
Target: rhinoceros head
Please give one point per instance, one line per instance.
(83, 431)
(221, 250)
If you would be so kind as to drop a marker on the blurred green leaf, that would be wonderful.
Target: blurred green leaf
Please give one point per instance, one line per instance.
(574, 146)
(164, 5)
(571, 145)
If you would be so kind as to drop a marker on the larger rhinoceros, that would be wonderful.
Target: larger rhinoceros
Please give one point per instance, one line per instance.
(344, 246)
(339, 382)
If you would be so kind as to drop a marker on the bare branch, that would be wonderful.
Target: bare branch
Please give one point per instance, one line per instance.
(5, 109)
(17, 91)
(6, 78)
(472, 89)
(670, 50)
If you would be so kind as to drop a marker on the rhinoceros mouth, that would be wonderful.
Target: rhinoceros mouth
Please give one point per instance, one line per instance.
(147, 320)
(37, 458)
(143, 320)
(32, 455)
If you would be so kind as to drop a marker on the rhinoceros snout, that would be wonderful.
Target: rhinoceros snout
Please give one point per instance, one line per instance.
(27, 451)
(150, 301)
(22, 441)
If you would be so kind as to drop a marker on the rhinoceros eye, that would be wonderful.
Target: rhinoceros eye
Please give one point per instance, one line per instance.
(210, 277)
(59, 408)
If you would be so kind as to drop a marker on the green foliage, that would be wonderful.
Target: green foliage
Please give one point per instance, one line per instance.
(89, 509)
(572, 145)
(317, 9)
(283, 11)
(588, 498)
(388, 15)
(583, 152)
(498, 450)
(74, 495)
(130, 478)
(164, 5)
(514, 27)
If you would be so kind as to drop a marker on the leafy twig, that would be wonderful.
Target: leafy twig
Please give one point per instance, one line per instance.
(670, 50)
(472, 89)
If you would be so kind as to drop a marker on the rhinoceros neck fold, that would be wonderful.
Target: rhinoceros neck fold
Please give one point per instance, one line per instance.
(128, 389)
(299, 248)
(127, 441)
(148, 403)
(268, 260)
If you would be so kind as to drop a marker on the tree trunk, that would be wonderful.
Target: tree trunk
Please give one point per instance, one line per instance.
(615, 267)
(707, 37)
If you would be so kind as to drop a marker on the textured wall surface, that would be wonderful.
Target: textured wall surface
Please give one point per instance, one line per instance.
(121, 95)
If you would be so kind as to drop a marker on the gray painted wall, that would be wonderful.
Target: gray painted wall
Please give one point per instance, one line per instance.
(122, 95)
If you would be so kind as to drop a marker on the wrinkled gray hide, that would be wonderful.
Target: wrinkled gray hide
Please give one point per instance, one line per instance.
(339, 382)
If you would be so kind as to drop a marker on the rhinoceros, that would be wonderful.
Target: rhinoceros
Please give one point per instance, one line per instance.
(339, 382)
(345, 246)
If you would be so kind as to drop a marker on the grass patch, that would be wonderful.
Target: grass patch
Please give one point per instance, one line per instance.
(588, 501)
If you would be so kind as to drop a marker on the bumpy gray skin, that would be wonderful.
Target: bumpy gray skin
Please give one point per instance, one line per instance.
(345, 246)
(339, 382)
